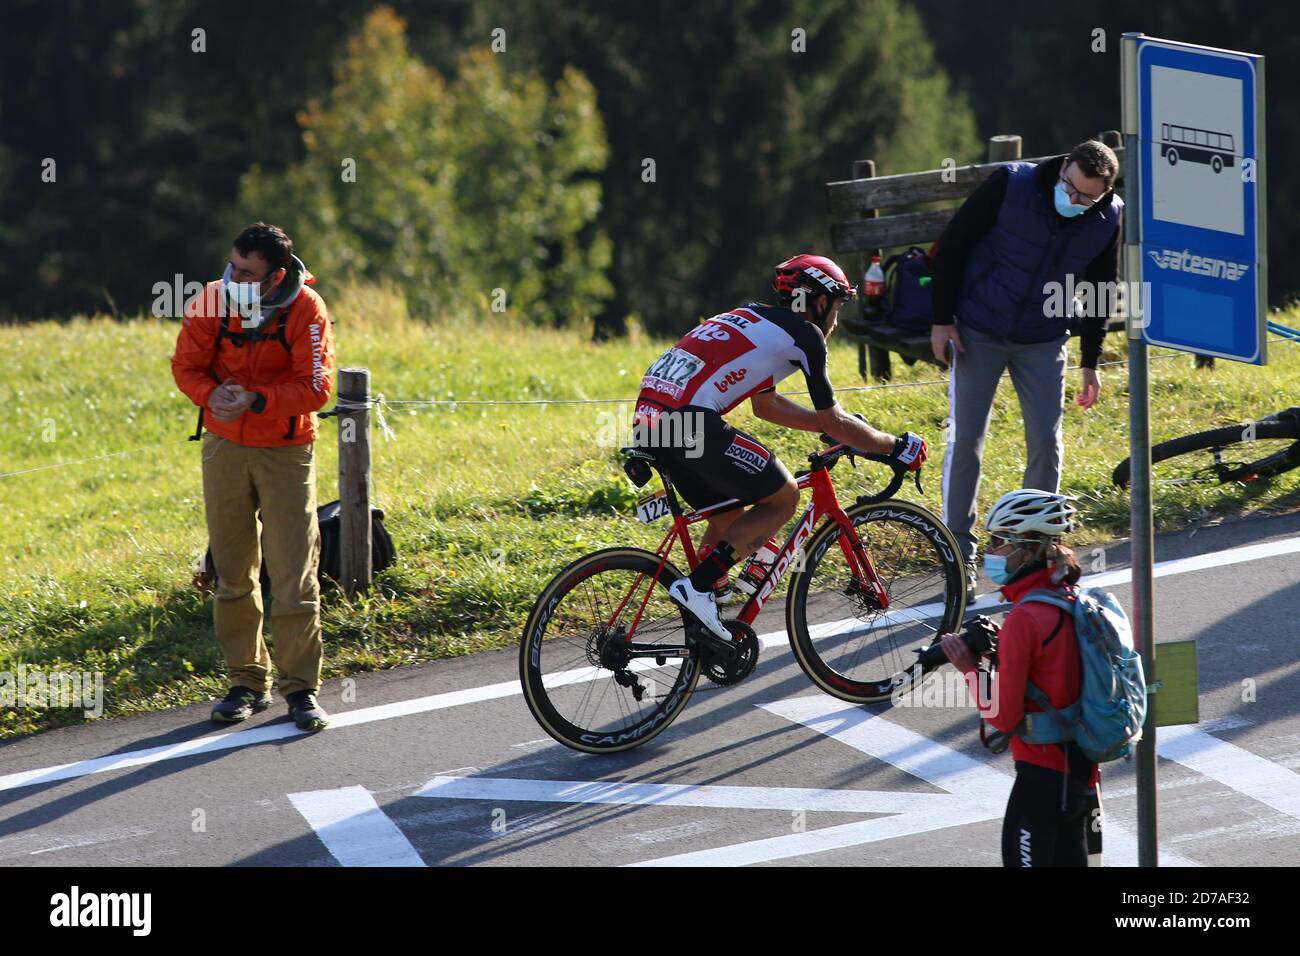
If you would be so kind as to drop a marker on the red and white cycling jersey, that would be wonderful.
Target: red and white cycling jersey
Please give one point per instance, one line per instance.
(723, 361)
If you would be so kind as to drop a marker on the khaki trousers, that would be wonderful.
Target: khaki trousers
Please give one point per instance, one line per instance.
(240, 484)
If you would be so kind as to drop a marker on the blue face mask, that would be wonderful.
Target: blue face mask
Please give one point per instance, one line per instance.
(1063, 204)
(995, 566)
(244, 298)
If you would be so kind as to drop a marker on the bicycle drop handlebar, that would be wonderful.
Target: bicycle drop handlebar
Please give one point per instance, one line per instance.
(837, 450)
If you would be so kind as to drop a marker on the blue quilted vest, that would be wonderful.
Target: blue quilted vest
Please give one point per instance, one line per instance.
(1030, 245)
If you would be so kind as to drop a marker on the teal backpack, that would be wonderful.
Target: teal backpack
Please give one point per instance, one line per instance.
(1106, 721)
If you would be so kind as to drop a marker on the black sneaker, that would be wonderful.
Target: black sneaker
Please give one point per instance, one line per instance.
(307, 714)
(240, 704)
(972, 578)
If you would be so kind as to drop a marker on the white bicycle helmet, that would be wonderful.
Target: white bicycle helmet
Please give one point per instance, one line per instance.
(1031, 511)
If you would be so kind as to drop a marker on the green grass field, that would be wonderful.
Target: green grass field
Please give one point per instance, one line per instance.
(485, 503)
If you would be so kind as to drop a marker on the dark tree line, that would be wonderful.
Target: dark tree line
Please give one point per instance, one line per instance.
(1047, 48)
(723, 118)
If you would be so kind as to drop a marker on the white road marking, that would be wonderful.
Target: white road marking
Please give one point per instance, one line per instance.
(977, 792)
(1201, 562)
(354, 829)
(34, 842)
(1233, 766)
(474, 695)
(643, 838)
(678, 795)
(993, 599)
(824, 839)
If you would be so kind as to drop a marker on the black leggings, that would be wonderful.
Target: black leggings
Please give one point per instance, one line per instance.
(1037, 832)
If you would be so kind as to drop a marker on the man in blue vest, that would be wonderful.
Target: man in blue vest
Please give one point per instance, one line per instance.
(1007, 267)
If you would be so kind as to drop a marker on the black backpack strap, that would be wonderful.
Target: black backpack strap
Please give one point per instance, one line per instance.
(1060, 622)
(239, 340)
(279, 331)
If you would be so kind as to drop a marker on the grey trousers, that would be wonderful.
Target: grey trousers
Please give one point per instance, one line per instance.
(1038, 374)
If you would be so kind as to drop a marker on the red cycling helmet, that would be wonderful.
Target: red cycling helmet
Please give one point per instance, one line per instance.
(816, 273)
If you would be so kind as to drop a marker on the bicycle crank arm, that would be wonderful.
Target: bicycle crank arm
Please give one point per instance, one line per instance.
(661, 652)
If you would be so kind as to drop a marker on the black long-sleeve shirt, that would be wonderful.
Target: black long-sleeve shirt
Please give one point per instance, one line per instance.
(976, 217)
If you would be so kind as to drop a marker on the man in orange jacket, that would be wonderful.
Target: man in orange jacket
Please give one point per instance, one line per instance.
(256, 354)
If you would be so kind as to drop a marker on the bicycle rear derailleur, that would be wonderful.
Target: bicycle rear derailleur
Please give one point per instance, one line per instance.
(727, 665)
(607, 648)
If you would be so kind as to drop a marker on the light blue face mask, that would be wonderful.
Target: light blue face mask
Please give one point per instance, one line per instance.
(995, 566)
(1063, 204)
(245, 298)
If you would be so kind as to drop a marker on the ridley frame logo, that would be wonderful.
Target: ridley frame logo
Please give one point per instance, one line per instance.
(801, 534)
(1198, 265)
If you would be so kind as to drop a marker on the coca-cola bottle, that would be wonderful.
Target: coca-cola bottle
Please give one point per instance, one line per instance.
(873, 290)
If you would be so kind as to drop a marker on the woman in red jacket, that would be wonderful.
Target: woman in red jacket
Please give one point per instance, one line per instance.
(1054, 814)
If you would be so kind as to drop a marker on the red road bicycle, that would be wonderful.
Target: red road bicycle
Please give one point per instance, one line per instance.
(607, 660)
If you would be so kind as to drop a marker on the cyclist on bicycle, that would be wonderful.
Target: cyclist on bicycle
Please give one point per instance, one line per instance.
(738, 355)
(1053, 816)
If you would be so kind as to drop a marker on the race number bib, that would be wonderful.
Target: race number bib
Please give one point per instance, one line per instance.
(672, 371)
(653, 507)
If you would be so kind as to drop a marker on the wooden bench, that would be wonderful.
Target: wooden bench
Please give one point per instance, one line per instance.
(857, 226)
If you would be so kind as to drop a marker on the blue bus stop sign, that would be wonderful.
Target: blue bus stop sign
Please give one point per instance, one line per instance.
(1201, 188)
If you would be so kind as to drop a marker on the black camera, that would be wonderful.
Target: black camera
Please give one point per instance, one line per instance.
(980, 634)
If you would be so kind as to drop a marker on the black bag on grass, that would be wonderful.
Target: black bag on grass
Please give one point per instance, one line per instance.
(382, 550)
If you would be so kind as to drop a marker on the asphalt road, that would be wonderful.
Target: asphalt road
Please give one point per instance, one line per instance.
(442, 764)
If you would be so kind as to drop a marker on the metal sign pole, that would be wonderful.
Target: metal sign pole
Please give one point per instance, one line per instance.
(1142, 532)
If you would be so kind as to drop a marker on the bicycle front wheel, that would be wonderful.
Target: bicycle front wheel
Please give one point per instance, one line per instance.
(604, 660)
(1220, 455)
(848, 644)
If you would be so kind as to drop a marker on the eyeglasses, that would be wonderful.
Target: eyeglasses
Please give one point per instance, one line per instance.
(1077, 197)
(246, 275)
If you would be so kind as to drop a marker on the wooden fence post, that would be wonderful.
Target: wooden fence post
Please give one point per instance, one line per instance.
(1004, 147)
(880, 362)
(355, 545)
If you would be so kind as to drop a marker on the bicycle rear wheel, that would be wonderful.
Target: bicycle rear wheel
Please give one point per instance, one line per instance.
(1221, 455)
(849, 645)
(604, 660)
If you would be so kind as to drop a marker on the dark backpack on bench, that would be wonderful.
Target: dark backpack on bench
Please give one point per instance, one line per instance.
(909, 301)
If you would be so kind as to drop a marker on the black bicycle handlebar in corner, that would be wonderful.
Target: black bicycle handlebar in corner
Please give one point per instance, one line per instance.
(829, 456)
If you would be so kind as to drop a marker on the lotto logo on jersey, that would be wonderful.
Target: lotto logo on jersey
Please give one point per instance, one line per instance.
(750, 455)
(731, 378)
(710, 332)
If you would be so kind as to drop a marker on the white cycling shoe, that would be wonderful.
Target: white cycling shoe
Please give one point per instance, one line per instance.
(701, 604)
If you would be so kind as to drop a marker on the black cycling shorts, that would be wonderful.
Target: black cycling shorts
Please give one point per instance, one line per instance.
(707, 459)
(1050, 820)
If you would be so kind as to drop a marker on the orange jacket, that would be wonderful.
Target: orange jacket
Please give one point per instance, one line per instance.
(293, 383)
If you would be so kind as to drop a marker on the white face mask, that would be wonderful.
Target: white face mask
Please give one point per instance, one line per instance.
(245, 298)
